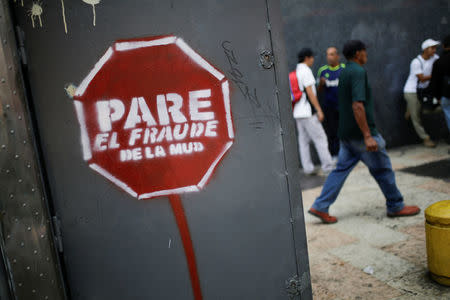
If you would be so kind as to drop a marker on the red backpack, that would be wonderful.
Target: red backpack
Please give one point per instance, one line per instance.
(296, 93)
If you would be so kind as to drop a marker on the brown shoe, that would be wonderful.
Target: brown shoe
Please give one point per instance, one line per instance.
(405, 212)
(429, 143)
(324, 217)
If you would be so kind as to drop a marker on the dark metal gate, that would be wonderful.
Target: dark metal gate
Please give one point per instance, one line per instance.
(246, 225)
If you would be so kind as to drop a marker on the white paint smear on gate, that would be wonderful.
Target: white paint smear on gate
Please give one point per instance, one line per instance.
(83, 86)
(226, 100)
(93, 3)
(35, 11)
(87, 153)
(124, 46)
(116, 181)
(63, 11)
(198, 59)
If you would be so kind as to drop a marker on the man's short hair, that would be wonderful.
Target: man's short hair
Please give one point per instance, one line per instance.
(304, 53)
(351, 47)
(446, 41)
(337, 50)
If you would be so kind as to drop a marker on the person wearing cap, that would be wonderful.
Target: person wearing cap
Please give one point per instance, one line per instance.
(360, 140)
(419, 77)
(440, 80)
(308, 119)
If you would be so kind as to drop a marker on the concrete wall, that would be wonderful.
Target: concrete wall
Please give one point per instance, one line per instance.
(393, 30)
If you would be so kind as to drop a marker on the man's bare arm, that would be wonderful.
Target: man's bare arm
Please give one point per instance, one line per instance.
(321, 85)
(313, 99)
(360, 116)
(423, 78)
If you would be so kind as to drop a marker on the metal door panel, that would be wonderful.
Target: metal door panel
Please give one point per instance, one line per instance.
(117, 247)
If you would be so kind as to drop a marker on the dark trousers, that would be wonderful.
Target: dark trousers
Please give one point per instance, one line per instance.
(330, 124)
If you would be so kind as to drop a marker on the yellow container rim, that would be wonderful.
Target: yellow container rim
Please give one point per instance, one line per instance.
(438, 213)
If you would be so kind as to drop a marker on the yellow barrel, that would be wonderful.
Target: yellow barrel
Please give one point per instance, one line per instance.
(437, 228)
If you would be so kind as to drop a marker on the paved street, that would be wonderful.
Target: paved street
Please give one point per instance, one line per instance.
(365, 239)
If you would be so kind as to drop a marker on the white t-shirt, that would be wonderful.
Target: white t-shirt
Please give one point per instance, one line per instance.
(419, 66)
(305, 77)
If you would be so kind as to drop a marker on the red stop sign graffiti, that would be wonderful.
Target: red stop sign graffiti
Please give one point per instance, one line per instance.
(155, 117)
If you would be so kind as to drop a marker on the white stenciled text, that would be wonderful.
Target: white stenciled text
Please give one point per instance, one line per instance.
(138, 131)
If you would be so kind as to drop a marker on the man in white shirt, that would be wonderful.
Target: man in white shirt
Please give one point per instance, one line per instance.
(308, 118)
(419, 77)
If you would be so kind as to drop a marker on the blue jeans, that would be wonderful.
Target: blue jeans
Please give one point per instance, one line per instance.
(379, 164)
(445, 104)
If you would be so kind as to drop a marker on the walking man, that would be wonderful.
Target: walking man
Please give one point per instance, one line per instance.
(328, 77)
(360, 140)
(440, 80)
(308, 118)
(419, 78)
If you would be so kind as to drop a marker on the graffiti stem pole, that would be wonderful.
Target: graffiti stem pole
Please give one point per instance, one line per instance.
(180, 217)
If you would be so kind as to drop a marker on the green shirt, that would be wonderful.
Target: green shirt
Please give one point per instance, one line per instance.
(354, 86)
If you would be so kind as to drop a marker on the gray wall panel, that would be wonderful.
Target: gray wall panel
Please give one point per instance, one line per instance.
(393, 30)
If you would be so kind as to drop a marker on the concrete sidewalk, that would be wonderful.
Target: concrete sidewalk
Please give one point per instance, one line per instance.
(364, 238)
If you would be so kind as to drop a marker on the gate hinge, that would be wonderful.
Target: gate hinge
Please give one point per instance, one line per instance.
(21, 41)
(296, 285)
(293, 286)
(58, 235)
(266, 59)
